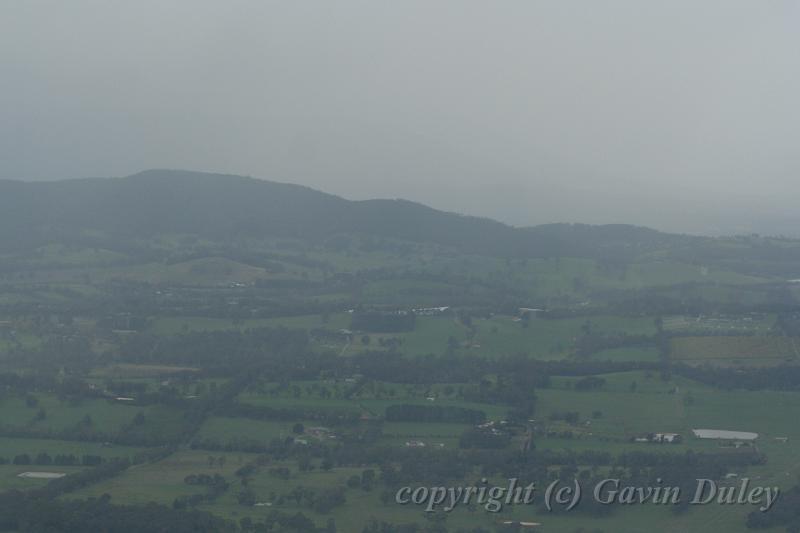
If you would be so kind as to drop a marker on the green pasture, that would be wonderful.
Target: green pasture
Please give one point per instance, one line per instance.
(162, 481)
(106, 416)
(12, 446)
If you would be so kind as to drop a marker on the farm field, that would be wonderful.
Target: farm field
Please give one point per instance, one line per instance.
(505, 335)
(176, 325)
(547, 339)
(210, 271)
(292, 378)
(12, 446)
(163, 481)
(654, 405)
(676, 406)
(131, 371)
(59, 415)
(227, 429)
(758, 324)
(371, 399)
(647, 354)
(754, 350)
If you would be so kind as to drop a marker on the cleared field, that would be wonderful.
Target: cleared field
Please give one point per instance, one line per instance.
(677, 406)
(653, 405)
(19, 340)
(370, 399)
(672, 273)
(225, 429)
(431, 335)
(494, 337)
(431, 434)
(756, 349)
(627, 354)
(207, 271)
(728, 325)
(413, 429)
(502, 335)
(548, 339)
(176, 325)
(360, 506)
(125, 371)
(369, 407)
(162, 481)
(414, 292)
(59, 415)
(10, 447)
(72, 256)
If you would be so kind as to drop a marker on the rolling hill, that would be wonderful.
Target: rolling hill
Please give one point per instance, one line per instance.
(111, 212)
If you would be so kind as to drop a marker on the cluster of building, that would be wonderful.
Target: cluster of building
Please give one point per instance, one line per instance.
(320, 433)
(491, 427)
(661, 438)
(421, 444)
(430, 311)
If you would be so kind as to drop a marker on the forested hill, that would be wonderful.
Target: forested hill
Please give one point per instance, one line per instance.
(222, 206)
(109, 212)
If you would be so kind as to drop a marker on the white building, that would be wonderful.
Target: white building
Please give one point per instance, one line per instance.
(666, 437)
(723, 434)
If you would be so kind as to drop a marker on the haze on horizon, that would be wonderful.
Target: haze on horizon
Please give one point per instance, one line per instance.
(681, 115)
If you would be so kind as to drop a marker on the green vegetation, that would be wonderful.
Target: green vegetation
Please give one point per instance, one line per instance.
(245, 364)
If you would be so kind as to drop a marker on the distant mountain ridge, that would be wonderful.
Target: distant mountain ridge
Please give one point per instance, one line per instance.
(218, 206)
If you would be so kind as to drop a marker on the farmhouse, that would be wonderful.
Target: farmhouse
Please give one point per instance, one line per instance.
(671, 438)
(722, 434)
(319, 432)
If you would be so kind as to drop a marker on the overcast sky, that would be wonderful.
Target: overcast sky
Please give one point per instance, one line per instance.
(680, 115)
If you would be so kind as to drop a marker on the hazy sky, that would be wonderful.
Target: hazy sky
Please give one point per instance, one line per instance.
(681, 115)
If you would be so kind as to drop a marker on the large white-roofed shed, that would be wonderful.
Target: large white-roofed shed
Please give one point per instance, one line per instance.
(724, 434)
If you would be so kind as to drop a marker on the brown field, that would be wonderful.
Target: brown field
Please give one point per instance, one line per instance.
(743, 350)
